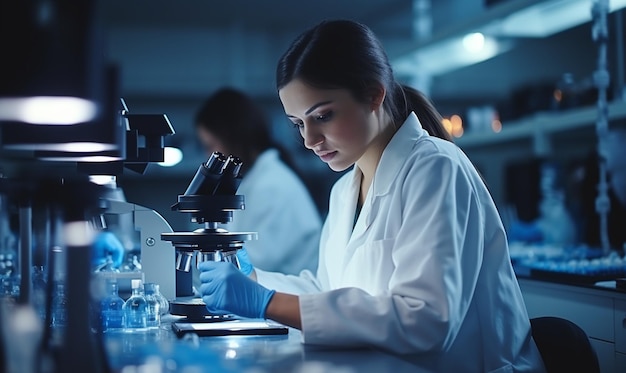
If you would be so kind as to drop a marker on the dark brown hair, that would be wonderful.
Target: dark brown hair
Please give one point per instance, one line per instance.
(236, 120)
(347, 55)
(241, 125)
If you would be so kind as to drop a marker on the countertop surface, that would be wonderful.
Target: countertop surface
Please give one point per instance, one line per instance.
(160, 350)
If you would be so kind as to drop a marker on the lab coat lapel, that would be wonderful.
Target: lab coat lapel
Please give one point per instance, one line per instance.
(393, 158)
(356, 235)
(345, 220)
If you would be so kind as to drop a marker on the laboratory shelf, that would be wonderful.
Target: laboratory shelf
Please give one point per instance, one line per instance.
(541, 125)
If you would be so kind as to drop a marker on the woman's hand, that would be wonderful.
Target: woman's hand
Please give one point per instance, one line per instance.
(106, 244)
(225, 289)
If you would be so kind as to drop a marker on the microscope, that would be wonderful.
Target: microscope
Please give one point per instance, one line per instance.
(210, 199)
(144, 144)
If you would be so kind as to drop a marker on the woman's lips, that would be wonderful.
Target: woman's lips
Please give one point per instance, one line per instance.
(327, 156)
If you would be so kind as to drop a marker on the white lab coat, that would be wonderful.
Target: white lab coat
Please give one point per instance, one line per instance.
(281, 210)
(426, 270)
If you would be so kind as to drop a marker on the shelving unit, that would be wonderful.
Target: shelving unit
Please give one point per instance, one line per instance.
(540, 126)
(559, 136)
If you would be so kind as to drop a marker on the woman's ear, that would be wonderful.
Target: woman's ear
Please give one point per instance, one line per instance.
(377, 95)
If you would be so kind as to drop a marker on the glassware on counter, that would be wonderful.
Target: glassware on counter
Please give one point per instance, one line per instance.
(111, 306)
(136, 308)
(153, 309)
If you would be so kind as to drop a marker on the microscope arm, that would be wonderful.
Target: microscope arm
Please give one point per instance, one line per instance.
(157, 256)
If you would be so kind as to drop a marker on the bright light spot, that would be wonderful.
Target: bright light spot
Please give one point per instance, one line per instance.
(90, 158)
(84, 147)
(447, 125)
(456, 126)
(474, 42)
(71, 147)
(172, 157)
(450, 54)
(456, 121)
(231, 354)
(78, 233)
(48, 110)
(102, 179)
(496, 126)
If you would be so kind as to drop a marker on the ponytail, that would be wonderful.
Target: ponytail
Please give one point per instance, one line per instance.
(411, 100)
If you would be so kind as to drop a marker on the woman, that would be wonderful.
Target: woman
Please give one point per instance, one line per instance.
(413, 254)
(278, 205)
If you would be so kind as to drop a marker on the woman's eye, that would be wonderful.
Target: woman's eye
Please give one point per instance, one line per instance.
(324, 117)
(298, 125)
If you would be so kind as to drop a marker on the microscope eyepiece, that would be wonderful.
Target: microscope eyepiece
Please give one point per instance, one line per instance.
(216, 162)
(218, 175)
(233, 166)
(231, 177)
(208, 176)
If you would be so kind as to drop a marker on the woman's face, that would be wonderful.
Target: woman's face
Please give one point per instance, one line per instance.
(332, 122)
(210, 142)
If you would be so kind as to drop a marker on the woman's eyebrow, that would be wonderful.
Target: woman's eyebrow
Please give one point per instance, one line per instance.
(316, 106)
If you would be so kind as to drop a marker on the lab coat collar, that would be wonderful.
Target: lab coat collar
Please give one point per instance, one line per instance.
(395, 153)
(393, 157)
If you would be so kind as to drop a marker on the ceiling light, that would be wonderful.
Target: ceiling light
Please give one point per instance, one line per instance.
(474, 42)
(450, 54)
(546, 18)
(492, 34)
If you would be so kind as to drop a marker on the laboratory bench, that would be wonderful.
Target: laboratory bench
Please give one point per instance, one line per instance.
(161, 350)
(599, 309)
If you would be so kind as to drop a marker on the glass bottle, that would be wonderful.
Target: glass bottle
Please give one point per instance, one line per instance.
(164, 303)
(135, 308)
(154, 315)
(59, 307)
(112, 308)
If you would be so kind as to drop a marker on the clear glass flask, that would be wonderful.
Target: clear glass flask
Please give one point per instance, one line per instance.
(136, 308)
(153, 310)
(111, 308)
(164, 303)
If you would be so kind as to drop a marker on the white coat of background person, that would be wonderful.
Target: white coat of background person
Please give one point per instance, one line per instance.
(413, 255)
(278, 205)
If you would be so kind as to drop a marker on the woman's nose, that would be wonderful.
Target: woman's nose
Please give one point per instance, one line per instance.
(312, 137)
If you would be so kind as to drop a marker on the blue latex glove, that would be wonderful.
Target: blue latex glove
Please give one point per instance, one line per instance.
(244, 262)
(225, 289)
(106, 243)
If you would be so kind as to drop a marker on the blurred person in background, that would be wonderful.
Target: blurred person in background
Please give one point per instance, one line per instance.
(278, 204)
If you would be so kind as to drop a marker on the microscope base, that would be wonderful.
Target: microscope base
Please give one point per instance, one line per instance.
(195, 310)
